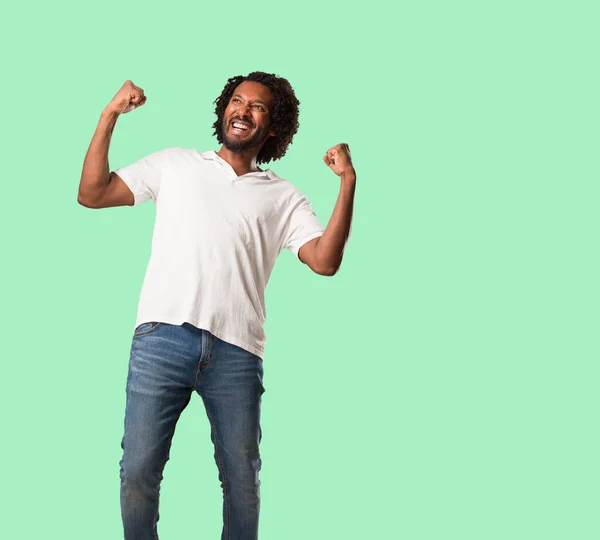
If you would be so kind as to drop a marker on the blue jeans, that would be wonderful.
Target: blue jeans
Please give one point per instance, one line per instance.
(166, 364)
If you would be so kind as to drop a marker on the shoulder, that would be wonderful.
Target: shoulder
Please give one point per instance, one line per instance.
(181, 157)
(179, 151)
(291, 190)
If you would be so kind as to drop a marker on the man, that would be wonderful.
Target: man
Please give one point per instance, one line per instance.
(221, 221)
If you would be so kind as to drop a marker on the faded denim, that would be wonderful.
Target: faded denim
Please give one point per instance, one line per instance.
(167, 363)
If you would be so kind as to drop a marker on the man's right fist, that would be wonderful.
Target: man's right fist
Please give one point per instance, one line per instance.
(129, 97)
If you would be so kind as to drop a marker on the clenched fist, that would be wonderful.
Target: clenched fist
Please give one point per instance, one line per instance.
(338, 159)
(129, 97)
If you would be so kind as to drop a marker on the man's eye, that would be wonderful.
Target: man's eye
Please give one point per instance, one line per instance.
(235, 100)
(259, 107)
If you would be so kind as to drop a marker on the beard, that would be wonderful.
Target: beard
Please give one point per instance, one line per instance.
(254, 141)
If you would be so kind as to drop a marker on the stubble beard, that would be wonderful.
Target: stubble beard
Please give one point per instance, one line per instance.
(242, 146)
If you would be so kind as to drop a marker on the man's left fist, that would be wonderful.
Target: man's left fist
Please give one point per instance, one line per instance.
(339, 160)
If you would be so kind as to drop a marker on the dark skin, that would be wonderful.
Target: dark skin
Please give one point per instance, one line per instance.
(252, 104)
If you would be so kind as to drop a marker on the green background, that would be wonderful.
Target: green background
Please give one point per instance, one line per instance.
(444, 385)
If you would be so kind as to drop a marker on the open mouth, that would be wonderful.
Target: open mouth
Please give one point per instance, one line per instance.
(238, 126)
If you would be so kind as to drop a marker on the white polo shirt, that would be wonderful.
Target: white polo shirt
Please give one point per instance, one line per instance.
(216, 238)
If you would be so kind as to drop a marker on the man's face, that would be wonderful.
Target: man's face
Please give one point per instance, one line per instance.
(247, 118)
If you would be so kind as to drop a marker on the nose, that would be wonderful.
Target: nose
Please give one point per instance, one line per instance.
(243, 109)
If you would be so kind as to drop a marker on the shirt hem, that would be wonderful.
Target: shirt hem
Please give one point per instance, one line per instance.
(209, 328)
(310, 237)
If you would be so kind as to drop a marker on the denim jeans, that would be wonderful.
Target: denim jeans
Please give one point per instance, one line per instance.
(168, 362)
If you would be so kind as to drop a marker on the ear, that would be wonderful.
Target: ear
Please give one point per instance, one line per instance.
(272, 131)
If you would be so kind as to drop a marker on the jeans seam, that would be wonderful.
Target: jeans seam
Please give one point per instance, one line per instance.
(166, 458)
(204, 363)
(149, 331)
(211, 342)
(197, 373)
(220, 465)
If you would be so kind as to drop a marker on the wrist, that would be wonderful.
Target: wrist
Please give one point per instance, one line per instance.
(348, 176)
(110, 113)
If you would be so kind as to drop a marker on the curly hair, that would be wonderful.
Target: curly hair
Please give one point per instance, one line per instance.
(284, 115)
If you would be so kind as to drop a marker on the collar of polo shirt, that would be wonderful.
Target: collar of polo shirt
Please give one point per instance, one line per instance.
(212, 155)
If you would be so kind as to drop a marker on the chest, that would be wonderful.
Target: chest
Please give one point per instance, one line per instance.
(249, 211)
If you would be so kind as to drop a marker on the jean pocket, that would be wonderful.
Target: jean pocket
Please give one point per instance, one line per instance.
(146, 328)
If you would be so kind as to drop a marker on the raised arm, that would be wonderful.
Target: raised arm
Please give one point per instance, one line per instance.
(98, 188)
(324, 254)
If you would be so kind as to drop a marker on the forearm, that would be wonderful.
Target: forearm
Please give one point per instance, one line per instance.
(96, 171)
(330, 247)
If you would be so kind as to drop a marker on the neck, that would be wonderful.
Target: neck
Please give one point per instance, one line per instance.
(241, 162)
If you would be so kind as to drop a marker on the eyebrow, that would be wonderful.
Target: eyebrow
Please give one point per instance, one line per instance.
(255, 101)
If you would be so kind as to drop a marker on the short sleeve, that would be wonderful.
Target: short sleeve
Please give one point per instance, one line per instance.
(143, 177)
(303, 225)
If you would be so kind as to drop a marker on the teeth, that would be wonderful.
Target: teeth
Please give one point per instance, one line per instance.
(240, 126)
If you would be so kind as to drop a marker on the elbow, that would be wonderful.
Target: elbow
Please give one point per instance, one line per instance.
(88, 196)
(327, 271)
(83, 202)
